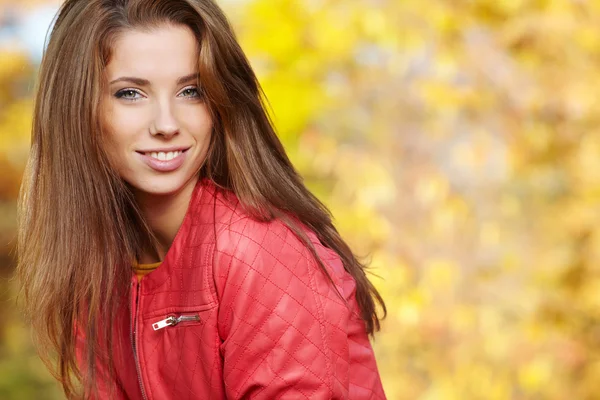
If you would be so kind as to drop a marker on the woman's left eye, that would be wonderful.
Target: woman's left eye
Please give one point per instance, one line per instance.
(190, 92)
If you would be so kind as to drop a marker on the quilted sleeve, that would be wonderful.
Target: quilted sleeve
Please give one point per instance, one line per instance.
(284, 329)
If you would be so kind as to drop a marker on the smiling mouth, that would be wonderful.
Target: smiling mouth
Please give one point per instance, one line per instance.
(163, 155)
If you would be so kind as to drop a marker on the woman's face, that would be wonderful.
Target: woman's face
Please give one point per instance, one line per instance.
(157, 123)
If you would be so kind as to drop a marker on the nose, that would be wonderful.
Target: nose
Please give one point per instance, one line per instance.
(164, 122)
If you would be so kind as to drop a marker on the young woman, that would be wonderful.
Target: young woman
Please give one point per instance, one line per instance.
(167, 247)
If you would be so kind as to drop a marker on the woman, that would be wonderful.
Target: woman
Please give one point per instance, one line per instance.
(152, 150)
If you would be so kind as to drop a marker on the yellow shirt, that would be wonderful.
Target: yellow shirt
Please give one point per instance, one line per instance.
(142, 270)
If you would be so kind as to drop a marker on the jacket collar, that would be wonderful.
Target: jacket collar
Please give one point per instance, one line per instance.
(163, 273)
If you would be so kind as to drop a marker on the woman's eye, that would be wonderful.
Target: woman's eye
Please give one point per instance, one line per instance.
(129, 94)
(190, 92)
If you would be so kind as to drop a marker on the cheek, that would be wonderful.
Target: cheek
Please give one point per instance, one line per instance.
(201, 128)
(120, 128)
(111, 147)
(115, 139)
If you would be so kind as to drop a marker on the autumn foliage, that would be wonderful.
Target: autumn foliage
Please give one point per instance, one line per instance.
(457, 144)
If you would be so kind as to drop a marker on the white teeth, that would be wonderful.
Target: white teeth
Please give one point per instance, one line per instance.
(162, 156)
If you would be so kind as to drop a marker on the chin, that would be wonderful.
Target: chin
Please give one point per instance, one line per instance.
(163, 185)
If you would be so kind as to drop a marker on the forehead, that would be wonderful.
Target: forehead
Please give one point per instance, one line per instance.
(160, 52)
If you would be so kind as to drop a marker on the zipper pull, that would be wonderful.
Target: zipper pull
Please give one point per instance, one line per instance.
(164, 323)
(172, 321)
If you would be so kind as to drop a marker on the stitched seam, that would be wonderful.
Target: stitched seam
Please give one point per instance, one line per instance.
(232, 333)
(215, 358)
(228, 269)
(210, 256)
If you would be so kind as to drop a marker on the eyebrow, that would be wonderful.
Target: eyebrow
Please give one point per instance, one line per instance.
(145, 82)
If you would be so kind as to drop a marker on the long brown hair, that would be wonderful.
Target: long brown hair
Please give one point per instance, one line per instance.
(79, 226)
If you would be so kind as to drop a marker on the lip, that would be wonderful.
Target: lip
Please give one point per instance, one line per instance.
(163, 149)
(164, 165)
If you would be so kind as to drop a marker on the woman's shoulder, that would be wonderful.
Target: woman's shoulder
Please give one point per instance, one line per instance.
(242, 234)
(261, 244)
(222, 208)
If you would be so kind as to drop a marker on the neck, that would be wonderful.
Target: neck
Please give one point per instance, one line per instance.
(164, 215)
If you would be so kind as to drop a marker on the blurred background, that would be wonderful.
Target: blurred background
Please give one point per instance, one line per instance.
(457, 144)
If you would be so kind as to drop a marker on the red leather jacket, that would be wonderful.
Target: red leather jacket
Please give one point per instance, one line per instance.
(239, 309)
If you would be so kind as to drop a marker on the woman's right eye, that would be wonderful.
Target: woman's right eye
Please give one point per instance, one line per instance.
(128, 94)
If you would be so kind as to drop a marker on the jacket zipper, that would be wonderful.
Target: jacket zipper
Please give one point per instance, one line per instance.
(133, 333)
(173, 320)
